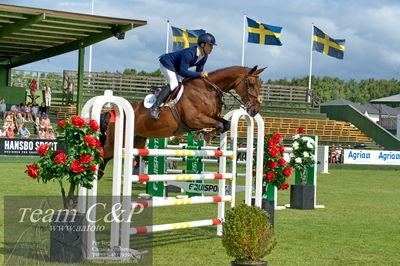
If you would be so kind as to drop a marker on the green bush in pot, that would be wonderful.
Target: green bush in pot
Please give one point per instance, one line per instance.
(247, 235)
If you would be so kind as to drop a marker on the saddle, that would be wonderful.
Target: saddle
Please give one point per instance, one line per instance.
(170, 103)
(155, 89)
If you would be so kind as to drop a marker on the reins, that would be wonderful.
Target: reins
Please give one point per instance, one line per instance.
(221, 92)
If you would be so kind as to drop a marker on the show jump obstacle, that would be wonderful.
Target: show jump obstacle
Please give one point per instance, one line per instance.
(124, 153)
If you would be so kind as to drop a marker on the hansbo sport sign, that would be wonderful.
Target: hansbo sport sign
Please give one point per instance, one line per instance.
(371, 157)
(24, 147)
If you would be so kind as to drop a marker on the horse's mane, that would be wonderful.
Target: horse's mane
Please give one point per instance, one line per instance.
(215, 72)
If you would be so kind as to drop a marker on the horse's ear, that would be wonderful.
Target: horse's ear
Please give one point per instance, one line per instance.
(259, 71)
(252, 70)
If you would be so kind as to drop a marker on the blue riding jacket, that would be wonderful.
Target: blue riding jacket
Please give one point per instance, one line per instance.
(181, 60)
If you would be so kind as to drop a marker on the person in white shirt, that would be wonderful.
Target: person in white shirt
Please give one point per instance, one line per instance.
(3, 132)
(47, 94)
(2, 108)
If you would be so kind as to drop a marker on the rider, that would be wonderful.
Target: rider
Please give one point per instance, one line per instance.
(175, 65)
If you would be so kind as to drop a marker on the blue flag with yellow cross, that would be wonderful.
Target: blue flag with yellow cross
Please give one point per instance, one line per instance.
(324, 44)
(263, 33)
(183, 38)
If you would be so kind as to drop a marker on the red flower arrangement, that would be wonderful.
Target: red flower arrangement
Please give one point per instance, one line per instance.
(78, 165)
(276, 168)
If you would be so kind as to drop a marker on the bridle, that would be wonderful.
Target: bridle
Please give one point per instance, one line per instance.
(249, 94)
(259, 98)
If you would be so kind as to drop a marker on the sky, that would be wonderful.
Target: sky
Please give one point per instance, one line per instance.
(371, 29)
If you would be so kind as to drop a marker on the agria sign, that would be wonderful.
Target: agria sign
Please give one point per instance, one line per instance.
(371, 157)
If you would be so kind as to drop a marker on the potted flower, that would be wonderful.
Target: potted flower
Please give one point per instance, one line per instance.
(276, 170)
(77, 166)
(247, 235)
(302, 158)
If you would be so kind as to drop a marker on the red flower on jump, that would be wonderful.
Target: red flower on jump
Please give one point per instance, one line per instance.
(85, 158)
(33, 171)
(272, 164)
(282, 162)
(101, 152)
(288, 171)
(282, 149)
(77, 121)
(285, 186)
(94, 125)
(62, 123)
(93, 167)
(273, 152)
(76, 167)
(271, 143)
(278, 137)
(90, 141)
(42, 150)
(270, 176)
(60, 158)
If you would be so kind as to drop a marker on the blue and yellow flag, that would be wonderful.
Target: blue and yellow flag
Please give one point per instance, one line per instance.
(183, 38)
(263, 34)
(324, 44)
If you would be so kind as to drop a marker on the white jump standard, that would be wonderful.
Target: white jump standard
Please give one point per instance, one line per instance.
(125, 117)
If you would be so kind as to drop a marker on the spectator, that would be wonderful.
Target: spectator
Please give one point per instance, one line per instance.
(47, 94)
(42, 133)
(24, 132)
(42, 109)
(10, 133)
(45, 122)
(13, 111)
(19, 121)
(28, 115)
(70, 92)
(36, 125)
(333, 154)
(21, 110)
(339, 154)
(35, 110)
(9, 122)
(3, 132)
(50, 134)
(2, 108)
(33, 87)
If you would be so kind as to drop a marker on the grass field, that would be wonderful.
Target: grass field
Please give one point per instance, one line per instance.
(359, 226)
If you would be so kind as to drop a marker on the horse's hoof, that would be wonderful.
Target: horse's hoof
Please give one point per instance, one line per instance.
(199, 136)
(208, 139)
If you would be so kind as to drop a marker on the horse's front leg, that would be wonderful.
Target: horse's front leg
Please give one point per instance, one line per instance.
(209, 122)
(226, 123)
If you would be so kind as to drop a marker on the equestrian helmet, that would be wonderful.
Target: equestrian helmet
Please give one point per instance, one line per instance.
(206, 38)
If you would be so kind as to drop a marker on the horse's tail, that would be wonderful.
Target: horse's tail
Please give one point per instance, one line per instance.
(104, 121)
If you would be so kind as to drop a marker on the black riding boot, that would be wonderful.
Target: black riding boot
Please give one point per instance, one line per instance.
(154, 111)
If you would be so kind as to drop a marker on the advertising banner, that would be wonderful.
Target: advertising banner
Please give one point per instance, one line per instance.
(24, 147)
(371, 157)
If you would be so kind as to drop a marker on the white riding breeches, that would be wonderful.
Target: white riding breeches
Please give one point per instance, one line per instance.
(173, 79)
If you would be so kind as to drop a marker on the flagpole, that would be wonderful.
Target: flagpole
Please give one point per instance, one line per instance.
(244, 37)
(309, 76)
(166, 48)
(90, 47)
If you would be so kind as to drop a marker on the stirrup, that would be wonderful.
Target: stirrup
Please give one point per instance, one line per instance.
(155, 113)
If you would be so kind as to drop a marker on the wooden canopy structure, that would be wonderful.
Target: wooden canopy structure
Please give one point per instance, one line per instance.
(32, 34)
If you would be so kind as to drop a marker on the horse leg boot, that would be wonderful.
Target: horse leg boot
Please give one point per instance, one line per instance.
(154, 111)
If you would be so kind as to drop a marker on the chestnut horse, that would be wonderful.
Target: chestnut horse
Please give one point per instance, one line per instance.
(199, 107)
